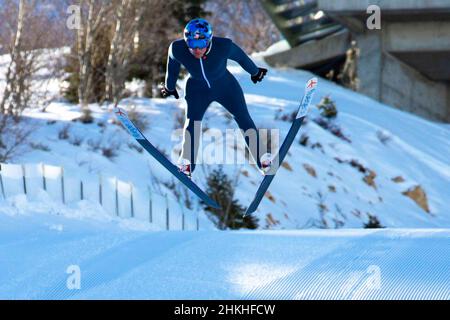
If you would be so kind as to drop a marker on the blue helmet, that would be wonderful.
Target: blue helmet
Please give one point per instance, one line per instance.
(198, 33)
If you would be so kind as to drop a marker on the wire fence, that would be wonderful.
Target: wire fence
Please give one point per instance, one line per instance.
(118, 198)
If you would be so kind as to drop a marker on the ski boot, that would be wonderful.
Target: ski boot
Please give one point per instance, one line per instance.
(266, 162)
(185, 167)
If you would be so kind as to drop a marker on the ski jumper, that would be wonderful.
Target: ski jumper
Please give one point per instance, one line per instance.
(210, 81)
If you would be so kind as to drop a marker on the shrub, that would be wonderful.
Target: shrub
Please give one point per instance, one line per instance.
(133, 146)
(76, 141)
(63, 134)
(231, 213)
(13, 137)
(86, 116)
(332, 128)
(328, 108)
(139, 119)
(109, 153)
(373, 223)
(304, 138)
(39, 146)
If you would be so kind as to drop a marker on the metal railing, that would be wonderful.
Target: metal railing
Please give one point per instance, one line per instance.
(116, 197)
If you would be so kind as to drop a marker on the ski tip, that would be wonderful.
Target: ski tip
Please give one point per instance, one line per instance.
(312, 83)
(119, 112)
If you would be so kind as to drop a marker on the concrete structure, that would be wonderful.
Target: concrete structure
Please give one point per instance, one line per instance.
(318, 42)
(312, 53)
(405, 64)
(299, 21)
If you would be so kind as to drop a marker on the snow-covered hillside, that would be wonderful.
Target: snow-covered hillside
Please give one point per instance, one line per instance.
(385, 164)
(328, 182)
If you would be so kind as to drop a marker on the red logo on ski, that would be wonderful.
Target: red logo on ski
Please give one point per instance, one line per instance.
(119, 112)
(312, 83)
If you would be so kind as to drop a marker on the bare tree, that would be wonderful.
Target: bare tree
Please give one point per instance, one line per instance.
(13, 138)
(15, 79)
(129, 14)
(86, 32)
(161, 22)
(27, 28)
(123, 39)
(245, 21)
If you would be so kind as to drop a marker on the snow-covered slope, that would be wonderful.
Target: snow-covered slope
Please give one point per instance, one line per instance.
(329, 182)
(44, 256)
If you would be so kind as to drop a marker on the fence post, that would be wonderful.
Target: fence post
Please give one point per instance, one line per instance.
(44, 180)
(100, 189)
(24, 180)
(62, 186)
(1, 183)
(117, 197)
(131, 200)
(182, 221)
(197, 220)
(167, 214)
(182, 213)
(81, 191)
(150, 204)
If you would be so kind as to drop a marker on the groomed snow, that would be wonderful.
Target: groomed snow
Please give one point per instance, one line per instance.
(119, 263)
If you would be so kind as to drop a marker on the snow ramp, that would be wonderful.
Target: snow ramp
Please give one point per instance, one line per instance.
(38, 261)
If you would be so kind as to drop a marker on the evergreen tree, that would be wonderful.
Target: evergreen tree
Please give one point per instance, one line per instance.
(231, 213)
(373, 223)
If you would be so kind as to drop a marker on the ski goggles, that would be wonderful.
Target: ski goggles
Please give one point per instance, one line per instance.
(197, 43)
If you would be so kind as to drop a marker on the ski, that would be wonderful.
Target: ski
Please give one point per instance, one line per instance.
(153, 151)
(310, 88)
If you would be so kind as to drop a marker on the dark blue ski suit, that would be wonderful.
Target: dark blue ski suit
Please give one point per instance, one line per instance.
(211, 81)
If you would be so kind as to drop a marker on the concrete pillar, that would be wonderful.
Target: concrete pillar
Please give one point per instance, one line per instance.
(388, 79)
(370, 63)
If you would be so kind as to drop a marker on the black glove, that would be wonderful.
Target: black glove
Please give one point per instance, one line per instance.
(167, 93)
(260, 75)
